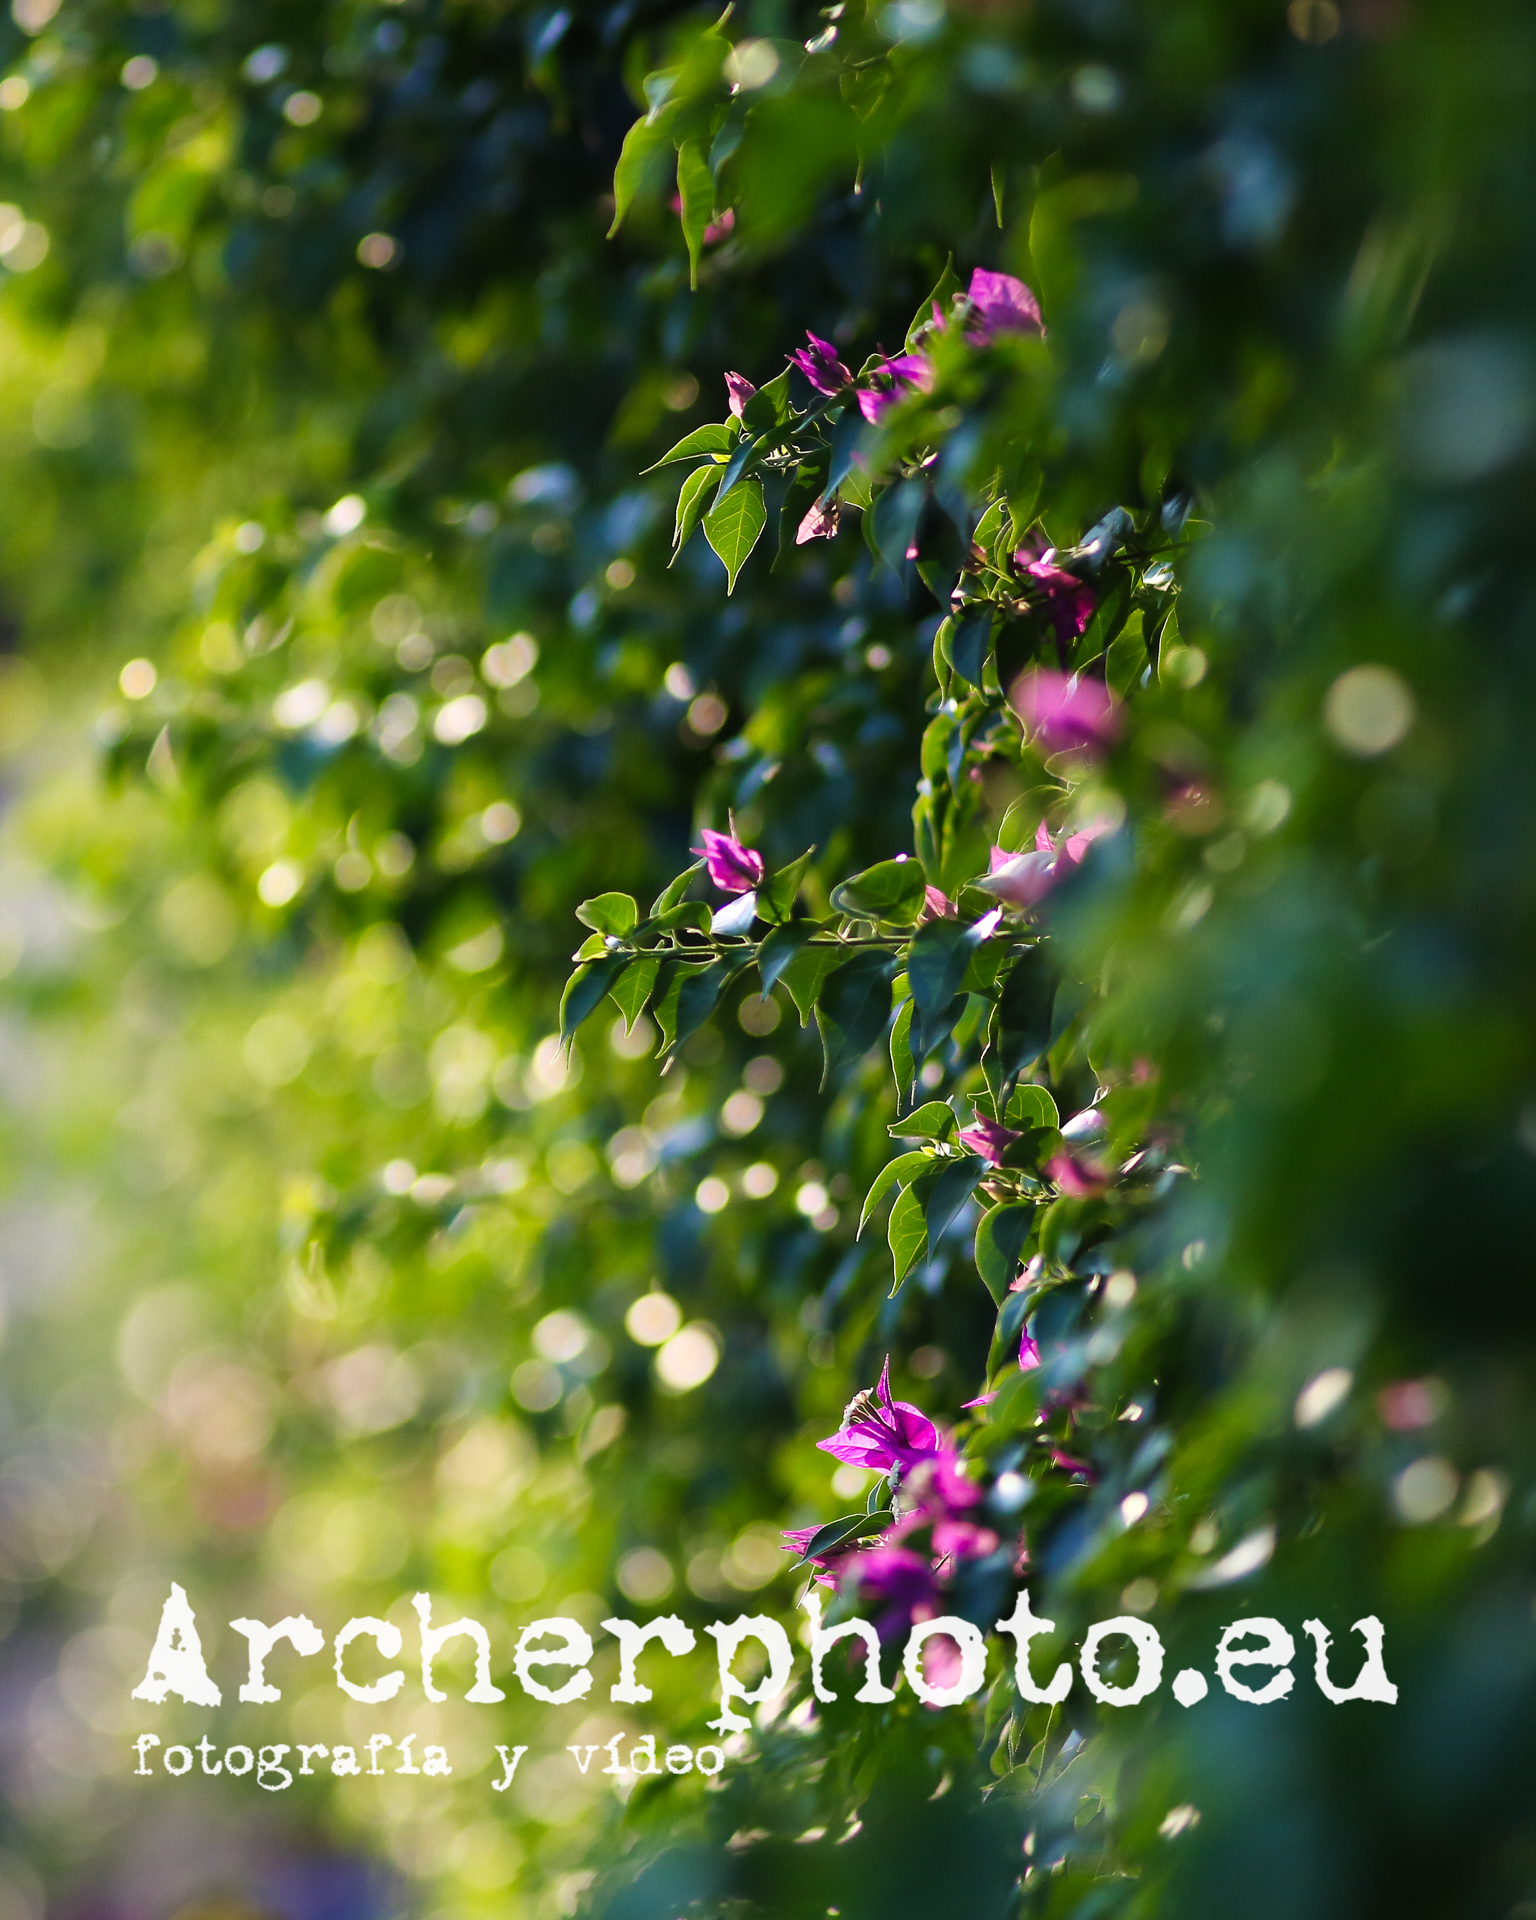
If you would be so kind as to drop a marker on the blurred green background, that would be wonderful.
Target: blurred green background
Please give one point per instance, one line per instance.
(343, 659)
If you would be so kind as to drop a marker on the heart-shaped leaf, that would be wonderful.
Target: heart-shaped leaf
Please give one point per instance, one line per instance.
(614, 913)
(892, 891)
(733, 525)
(934, 1120)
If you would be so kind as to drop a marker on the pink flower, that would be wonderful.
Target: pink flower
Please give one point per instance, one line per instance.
(881, 1434)
(740, 389)
(900, 1578)
(942, 1487)
(1020, 879)
(1029, 1353)
(720, 226)
(821, 366)
(963, 1540)
(820, 523)
(732, 867)
(1001, 304)
(1076, 1175)
(1068, 601)
(937, 906)
(1024, 879)
(907, 372)
(1065, 712)
(988, 1139)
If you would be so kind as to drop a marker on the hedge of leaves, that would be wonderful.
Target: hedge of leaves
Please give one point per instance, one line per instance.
(1093, 672)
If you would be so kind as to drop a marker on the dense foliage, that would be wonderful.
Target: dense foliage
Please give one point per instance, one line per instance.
(1092, 673)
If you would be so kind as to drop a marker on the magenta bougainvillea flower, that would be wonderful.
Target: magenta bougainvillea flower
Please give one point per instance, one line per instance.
(881, 1434)
(1001, 304)
(1068, 601)
(1076, 1175)
(988, 1139)
(895, 378)
(1065, 712)
(902, 1579)
(962, 1540)
(1020, 879)
(740, 390)
(732, 867)
(937, 906)
(821, 366)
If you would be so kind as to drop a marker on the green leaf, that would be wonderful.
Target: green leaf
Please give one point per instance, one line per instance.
(971, 642)
(585, 989)
(673, 892)
(853, 1526)
(733, 525)
(1031, 1106)
(769, 406)
(1061, 1228)
(590, 948)
(1021, 1026)
(687, 913)
(895, 1173)
(639, 161)
(692, 503)
(953, 1187)
(934, 1120)
(718, 437)
(700, 992)
(906, 1232)
(999, 182)
(776, 895)
(675, 975)
(853, 1008)
(805, 970)
(999, 1241)
(614, 913)
(892, 891)
(936, 964)
(632, 989)
(903, 1066)
(696, 191)
(846, 435)
(943, 291)
(779, 948)
(894, 521)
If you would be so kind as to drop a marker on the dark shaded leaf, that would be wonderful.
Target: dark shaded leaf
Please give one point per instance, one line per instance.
(999, 1242)
(853, 1008)
(585, 989)
(953, 1187)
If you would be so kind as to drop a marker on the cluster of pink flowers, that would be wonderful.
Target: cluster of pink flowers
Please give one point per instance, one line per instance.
(993, 304)
(935, 1528)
